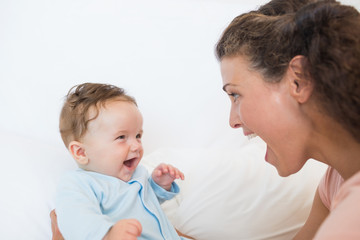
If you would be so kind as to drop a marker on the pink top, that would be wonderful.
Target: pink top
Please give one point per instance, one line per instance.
(329, 186)
(343, 200)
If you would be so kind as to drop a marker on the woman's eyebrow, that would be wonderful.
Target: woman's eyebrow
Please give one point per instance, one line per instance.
(226, 85)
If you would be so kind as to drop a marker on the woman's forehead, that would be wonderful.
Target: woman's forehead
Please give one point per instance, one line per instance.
(236, 71)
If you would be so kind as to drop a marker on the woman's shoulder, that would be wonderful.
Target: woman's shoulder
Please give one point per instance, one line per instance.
(344, 218)
(349, 190)
(329, 186)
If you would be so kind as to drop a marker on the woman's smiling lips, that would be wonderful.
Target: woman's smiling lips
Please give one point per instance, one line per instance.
(250, 134)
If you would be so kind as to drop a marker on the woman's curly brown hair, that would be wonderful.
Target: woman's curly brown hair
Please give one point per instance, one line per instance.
(325, 32)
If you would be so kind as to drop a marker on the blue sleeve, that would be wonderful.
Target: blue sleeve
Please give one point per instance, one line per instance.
(78, 211)
(161, 193)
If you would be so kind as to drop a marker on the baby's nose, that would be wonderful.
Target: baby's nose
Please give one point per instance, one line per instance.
(135, 145)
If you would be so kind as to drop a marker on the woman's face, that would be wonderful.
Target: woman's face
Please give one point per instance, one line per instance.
(267, 110)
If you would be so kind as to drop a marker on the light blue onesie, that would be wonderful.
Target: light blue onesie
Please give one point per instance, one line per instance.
(89, 203)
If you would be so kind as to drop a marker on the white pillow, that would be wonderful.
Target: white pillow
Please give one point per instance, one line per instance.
(228, 193)
(232, 193)
(28, 178)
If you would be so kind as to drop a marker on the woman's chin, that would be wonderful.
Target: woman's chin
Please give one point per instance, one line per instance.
(283, 173)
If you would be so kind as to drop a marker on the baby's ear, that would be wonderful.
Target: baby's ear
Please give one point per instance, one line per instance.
(78, 152)
(301, 86)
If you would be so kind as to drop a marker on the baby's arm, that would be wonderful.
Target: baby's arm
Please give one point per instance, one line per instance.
(165, 174)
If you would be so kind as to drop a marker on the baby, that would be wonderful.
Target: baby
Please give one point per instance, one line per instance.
(110, 196)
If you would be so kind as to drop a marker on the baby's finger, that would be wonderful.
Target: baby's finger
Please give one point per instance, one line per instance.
(160, 172)
(176, 173)
(181, 175)
(172, 171)
(135, 228)
(163, 168)
(167, 168)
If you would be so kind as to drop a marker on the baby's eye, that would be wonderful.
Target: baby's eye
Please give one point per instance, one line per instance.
(139, 136)
(121, 137)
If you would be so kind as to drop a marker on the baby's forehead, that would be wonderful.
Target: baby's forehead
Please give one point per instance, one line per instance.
(106, 104)
(119, 101)
(116, 112)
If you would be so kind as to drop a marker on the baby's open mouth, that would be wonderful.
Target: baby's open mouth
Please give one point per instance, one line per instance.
(129, 163)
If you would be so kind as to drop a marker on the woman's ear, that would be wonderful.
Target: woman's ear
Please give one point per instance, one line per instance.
(300, 84)
(78, 152)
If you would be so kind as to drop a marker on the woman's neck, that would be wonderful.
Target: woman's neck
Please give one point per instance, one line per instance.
(333, 145)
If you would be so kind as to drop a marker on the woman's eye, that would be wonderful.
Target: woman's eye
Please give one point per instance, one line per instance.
(234, 96)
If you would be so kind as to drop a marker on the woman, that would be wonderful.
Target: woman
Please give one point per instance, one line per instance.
(294, 80)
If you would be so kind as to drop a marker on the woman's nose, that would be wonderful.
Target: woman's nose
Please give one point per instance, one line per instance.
(234, 120)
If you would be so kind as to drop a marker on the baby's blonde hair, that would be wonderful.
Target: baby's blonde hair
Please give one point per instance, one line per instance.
(74, 117)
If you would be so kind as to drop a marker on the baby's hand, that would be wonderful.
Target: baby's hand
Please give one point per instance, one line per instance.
(165, 174)
(125, 229)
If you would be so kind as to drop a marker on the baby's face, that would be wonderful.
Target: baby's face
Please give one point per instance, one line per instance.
(112, 142)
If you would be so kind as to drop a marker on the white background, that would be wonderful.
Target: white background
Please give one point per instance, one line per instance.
(160, 51)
